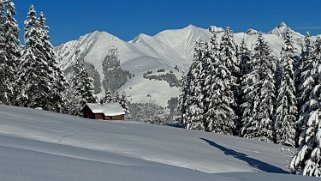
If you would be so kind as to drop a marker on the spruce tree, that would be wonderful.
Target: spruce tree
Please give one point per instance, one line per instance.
(12, 48)
(246, 85)
(34, 75)
(116, 97)
(58, 85)
(286, 110)
(228, 53)
(81, 84)
(108, 97)
(244, 56)
(125, 105)
(260, 91)
(182, 103)
(219, 87)
(5, 89)
(308, 158)
(193, 118)
(308, 79)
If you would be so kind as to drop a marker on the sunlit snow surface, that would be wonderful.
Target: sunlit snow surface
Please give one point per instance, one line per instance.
(38, 145)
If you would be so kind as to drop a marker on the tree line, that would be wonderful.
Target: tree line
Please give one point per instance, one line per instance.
(232, 90)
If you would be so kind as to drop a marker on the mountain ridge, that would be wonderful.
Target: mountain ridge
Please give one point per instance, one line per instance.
(168, 50)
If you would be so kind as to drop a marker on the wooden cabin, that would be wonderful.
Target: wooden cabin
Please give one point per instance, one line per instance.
(108, 111)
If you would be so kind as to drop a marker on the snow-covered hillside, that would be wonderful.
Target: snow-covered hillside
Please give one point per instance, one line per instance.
(165, 50)
(38, 145)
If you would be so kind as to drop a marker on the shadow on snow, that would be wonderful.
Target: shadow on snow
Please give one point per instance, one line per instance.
(251, 161)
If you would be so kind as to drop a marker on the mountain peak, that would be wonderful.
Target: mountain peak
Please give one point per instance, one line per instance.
(282, 25)
(281, 29)
(140, 37)
(190, 26)
(252, 31)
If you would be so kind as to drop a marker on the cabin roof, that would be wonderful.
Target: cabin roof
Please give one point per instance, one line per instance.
(108, 109)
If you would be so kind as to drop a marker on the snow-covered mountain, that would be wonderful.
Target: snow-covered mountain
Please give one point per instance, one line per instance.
(166, 50)
(38, 145)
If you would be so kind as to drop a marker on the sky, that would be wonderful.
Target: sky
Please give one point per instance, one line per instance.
(69, 19)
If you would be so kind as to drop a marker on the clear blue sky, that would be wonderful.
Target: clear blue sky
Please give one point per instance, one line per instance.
(69, 19)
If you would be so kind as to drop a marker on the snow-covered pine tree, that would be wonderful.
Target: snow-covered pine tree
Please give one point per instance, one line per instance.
(286, 110)
(5, 89)
(219, 86)
(260, 94)
(81, 85)
(228, 53)
(12, 48)
(108, 98)
(182, 103)
(308, 158)
(211, 53)
(123, 101)
(58, 85)
(116, 97)
(193, 117)
(71, 101)
(35, 76)
(244, 56)
(246, 84)
(308, 79)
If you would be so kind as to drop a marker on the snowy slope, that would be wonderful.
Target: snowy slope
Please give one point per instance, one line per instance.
(165, 50)
(38, 145)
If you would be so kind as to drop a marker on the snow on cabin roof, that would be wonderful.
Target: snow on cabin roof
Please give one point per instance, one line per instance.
(108, 109)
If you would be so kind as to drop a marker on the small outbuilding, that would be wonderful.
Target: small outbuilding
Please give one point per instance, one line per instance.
(108, 111)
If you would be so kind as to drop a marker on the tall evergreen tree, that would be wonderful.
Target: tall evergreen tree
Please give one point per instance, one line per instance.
(258, 122)
(193, 116)
(219, 86)
(82, 86)
(182, 103)
(228, 53)
(286, 111)
(308, 77)
(12, 48)
(246, 85)
(9, 51)
(35, 76)
(5, 89)
(58, 85)
(244, 56)
(308, 158)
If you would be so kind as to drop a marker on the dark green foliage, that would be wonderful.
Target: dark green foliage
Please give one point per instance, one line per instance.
(170, 78)
(114, 75)
(93, 73)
